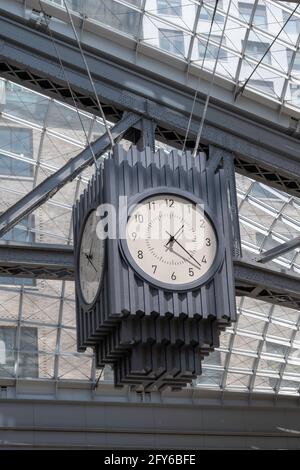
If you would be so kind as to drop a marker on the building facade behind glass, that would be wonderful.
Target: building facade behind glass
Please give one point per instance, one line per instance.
(239, 38)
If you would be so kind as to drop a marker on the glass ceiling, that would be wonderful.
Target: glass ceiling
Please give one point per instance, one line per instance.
(261, 352)
(246, 42)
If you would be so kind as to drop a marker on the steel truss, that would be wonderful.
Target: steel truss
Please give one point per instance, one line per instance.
(36, 261)
(255, 280)
(47, 261)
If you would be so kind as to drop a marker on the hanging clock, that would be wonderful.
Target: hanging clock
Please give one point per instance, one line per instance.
(170, 240)
(90, 259)
(152, 300)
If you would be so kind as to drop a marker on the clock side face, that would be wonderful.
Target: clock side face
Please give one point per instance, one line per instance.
(91, 259)
(171, 239)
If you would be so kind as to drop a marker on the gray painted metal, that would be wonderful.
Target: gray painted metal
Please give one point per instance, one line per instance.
(278, 250)
(228, 162)
(64, 175)
(147, 138)
(109, 418)
(36, 260)
(218, 157)
(253, 279)
(270, 155)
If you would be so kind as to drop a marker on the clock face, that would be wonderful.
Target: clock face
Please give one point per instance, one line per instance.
(91, 259)
(171, 239)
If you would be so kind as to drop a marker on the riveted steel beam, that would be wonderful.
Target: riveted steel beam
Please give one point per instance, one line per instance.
(36, 261)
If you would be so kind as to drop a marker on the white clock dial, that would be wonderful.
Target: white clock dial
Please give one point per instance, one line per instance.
(171, 239)
(91, 259)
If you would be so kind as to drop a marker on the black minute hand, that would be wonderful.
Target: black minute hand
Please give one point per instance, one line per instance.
(176, 241)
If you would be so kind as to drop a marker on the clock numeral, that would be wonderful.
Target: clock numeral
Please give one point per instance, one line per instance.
(173, 277)
(203, 260)
(139, 218)
(134, 235)
(169, 202)
(202, 223)
(208, 243)
(151, 205)
(140, 254)
(191, 272)
(154, 266)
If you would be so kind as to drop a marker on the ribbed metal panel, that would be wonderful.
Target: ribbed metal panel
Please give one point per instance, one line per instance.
(155, 337)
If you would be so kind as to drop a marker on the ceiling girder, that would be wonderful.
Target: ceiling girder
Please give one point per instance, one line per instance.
(278, 250)
(54, 262)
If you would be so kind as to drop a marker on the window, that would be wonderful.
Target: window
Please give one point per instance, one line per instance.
(257, 49)
(77, 5)
(2, 352)
(18, 141)
(295, 94)
(114, 14)
(260, 15)
(212, 50)
(296, 64)
(293, 25)
(207, 14)
(28, 355)
(2, 93)
(169, 7)
(20, 233)
(24, 103)
(266, 86)
(110, 13)
(171, 41)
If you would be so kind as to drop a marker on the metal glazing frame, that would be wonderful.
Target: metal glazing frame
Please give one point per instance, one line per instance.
(249, 278)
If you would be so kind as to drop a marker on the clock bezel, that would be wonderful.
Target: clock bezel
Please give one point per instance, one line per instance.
(77, 261)
(220, 250)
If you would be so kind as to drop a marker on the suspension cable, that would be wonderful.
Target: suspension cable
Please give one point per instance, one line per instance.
(89, 75)
(69, 85)
(203, 59)
(211, 83)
